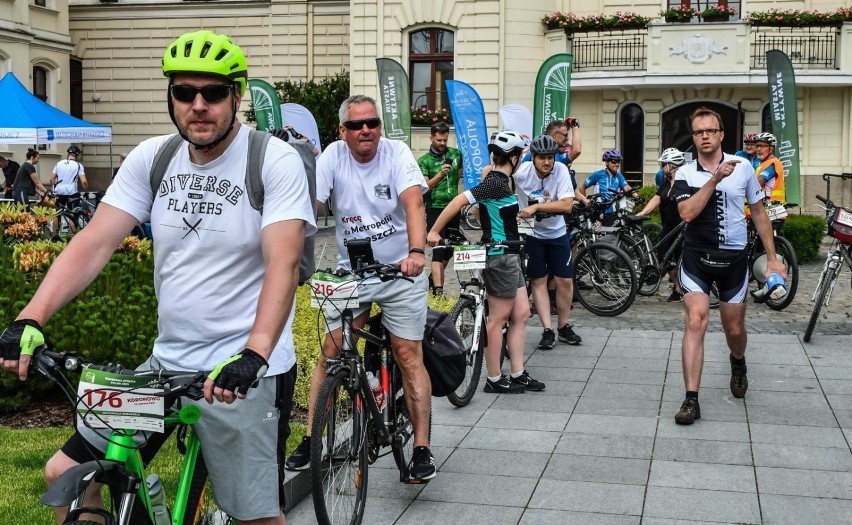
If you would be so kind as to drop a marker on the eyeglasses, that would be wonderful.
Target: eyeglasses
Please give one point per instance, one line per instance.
(356, 125)
(210, 93)
(710, 132)
(614, 161)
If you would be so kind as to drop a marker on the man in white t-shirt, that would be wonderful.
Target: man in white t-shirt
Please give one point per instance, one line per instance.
(65, 175)
(544, 186)
(375, 188)
(225, 276)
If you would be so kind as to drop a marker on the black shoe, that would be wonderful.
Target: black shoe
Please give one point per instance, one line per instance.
(438, 291)
(503, 386)
(422, 466)
(689, 412)
(301, 458)
(566, 333)
(527, 382)
(739, 380)
(548, 340)
(675, 297)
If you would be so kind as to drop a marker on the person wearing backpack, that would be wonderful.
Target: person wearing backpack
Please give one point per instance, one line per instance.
(225, 274)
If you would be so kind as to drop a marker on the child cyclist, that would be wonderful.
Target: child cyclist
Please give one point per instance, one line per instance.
(504, 278)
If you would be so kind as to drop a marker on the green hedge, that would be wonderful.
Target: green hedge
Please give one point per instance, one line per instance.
(115, 320)
(805, 233)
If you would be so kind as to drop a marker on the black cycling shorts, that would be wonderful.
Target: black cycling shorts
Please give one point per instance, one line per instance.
(699, 269)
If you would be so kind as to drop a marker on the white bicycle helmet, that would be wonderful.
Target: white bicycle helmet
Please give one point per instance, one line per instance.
(768, 138)
(507, 141)
(672, 156)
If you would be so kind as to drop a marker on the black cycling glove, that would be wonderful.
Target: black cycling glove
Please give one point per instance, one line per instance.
(21, 337)
(240, 372)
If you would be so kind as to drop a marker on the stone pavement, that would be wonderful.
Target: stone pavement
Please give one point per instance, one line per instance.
(600, 445)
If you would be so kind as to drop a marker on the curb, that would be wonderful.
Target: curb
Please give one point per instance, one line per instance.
(297, 486)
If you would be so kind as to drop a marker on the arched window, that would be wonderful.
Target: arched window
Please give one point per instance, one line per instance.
(632, 137)
(40, 82)
(676, 132)
(430, 63)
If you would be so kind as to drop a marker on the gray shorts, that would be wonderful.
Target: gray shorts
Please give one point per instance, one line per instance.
(503, 275)
(239, 445)
(403, 306)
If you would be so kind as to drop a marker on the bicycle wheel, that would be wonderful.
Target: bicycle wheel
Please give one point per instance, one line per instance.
(201, 509)
(470, 218)
(826, 280)
(784, 251)
(339, 455)
(605, 279)
(644, 262)
(464, 318)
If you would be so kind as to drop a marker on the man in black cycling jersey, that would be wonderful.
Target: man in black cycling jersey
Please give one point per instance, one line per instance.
(710, 192)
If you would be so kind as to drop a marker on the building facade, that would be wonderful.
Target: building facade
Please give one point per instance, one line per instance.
(631, 89)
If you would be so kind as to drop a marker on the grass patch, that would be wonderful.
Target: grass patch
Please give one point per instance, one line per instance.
(24, 452)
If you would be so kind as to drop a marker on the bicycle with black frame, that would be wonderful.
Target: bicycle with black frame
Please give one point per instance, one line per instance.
(777, 213)
(352, 423)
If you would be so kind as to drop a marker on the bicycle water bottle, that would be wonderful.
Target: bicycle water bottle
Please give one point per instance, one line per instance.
(158, 500)
(376, 387)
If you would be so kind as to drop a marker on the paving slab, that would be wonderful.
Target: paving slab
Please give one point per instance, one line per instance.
(550, 517)
(598, 469)
(606, 445)
(442, 513)
(693, 505)
(705, 476)
(802, 457)
(795, 510)
(703, 451)
(588, 497)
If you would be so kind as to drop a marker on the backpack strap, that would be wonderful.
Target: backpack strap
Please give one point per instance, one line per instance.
(258, 140)
(162, 160)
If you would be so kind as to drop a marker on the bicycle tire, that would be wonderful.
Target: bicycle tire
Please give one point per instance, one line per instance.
(339, 455)
(824, 286)
(403, 430)
(788, 255)
(644, 262)
(464, 319)
(605, 279)
(470, 219)
(201, 509)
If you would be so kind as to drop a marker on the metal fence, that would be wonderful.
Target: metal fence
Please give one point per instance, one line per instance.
(611, 50)
(807, 47)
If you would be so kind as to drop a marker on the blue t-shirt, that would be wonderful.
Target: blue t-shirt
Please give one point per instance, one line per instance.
(755, 162)
(607, 184)
(658, 180)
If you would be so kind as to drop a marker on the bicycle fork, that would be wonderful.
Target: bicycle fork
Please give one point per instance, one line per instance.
(833, 262)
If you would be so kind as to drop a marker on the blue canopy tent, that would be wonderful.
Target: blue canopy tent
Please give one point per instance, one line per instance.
(26, 119)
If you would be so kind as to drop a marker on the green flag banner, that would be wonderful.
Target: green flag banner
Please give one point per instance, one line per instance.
(396, 100)
(266, 104)
(552, 87)
(785, 119)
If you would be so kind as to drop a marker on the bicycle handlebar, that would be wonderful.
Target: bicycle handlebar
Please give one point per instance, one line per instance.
(825, 201)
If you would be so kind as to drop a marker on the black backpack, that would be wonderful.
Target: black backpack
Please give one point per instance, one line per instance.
(258, 141)
(444, 353)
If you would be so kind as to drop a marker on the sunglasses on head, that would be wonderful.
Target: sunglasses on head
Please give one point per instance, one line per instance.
(356, 125)
(210, 93)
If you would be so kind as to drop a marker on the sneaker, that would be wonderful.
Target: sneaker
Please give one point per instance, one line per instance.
(503, 386)
(422, 467)
(675, 297)
(548, 340)
(438, 291)
(527, 382)
(566, 333)
(301, 458)
(739, 380)
(689, 412)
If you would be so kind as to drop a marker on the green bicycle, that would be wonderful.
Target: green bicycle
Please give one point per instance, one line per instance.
(130, 496)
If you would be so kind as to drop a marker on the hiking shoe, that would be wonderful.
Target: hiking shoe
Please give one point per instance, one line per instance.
(301, 458)
(422, 466)
(527, 382)
(503, 386)
(689, 412)
(739, 380)
(548, 340)
(566, 333)
(675, 297)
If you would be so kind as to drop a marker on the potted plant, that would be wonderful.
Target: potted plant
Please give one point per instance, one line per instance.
(423, 116)
(680, 14)
(571, 23)
(719, 13)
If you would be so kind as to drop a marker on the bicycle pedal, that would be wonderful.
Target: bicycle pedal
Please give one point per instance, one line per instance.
(414, 481)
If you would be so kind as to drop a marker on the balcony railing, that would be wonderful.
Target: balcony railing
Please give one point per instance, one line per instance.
(610, 50)
(807, 47)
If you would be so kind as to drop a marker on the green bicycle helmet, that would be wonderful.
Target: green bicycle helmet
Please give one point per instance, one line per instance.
(206, 52)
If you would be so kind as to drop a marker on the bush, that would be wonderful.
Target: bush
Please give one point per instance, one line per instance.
(322, 99)
(646, 193)
(805, 233)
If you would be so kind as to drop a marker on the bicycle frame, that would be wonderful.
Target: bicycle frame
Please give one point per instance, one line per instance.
(478, 299)
(838, 253)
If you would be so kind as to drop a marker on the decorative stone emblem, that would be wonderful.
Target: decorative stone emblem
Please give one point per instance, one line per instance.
(698, 49)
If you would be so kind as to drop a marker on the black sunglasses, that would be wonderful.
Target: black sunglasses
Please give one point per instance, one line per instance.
(356, 125)
(211, 92)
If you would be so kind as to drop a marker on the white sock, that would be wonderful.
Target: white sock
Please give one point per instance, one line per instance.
(495, 378)
(516, 375)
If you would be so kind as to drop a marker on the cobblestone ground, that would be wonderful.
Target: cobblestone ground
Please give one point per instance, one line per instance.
(654, 313)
